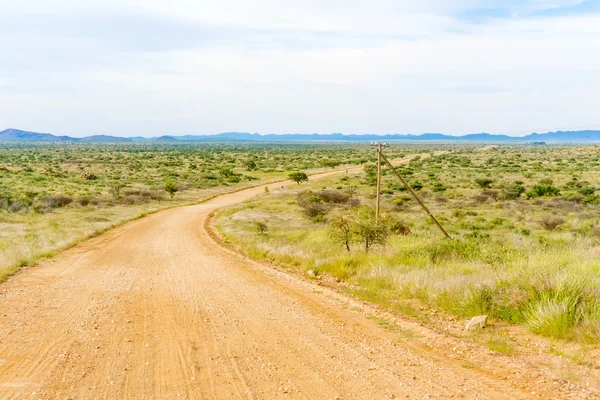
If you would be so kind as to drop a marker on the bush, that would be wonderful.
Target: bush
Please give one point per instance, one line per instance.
(261, 227)
(397, 227)
(416, 185)
(315, 209)
(587, 191)
(334, 196)
(84, 201)
(171, 188)
(370, 171)
(512, 192)
(58, 201)
(438, 187)
(307, 197)
(542, 191)
(550, 223)
(251, 165)
(226, 172)
(131, 199)
(480, 198)
(484, 183)
(492, 194)
(400, 201)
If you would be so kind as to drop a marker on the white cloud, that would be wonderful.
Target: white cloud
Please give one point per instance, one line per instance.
(154, 67)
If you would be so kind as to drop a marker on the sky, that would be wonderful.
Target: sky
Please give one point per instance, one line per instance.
(153, 67)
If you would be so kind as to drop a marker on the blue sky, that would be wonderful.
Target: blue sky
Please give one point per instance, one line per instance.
(150, 67)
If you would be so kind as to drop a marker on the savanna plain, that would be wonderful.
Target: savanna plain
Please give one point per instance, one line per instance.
(523, 222)
(54, 196)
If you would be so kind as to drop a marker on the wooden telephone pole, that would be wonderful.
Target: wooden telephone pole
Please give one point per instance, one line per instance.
(380, 156)
(380, 147)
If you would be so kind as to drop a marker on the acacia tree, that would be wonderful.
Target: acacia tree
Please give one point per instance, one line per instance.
(330, 163)
(341, 230)
(298, 177)
(251, 165)
(368, 230)
(484, 183)
(171, 188)
(361, 226)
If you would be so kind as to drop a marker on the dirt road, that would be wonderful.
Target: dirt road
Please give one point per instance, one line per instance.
(157, 309)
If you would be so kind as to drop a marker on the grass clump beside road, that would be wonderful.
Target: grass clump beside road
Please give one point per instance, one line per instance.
(508, 259)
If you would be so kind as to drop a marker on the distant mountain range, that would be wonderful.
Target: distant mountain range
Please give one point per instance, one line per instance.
(15, 135)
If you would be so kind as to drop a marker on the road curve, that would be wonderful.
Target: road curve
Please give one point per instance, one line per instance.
(157, 309)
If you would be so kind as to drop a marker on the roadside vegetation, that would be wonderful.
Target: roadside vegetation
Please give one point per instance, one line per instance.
(54, 195)
(524, 221)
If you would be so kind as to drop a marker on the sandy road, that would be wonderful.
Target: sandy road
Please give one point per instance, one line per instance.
(157, 309)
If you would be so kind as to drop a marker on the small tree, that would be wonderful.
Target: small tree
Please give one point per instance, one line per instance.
(226, 172)
(341, 230)
(368, 230)
(251, 165)
(171, 188)
(298, 177)
(261, 227)
(330, 163)
(484, 183)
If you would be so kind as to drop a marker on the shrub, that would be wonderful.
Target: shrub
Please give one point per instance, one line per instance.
(480, 198)
(226, 172)
(58, 201)
(315, 209)
(84, 201)
(416, 185)
(16, 206)
(400, 201)
(171, 188)
(492, 194)
(587, 191)
(397, 227)
(334, 196)
(307, 197)
(115, 189)
(550, 223)
(542, 191)
(438, 187)
(131, 199)
(251, 165)
(484, 183)
(370, 171)
(261, 227)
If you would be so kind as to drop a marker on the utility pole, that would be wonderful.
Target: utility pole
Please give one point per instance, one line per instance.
(380, 147)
